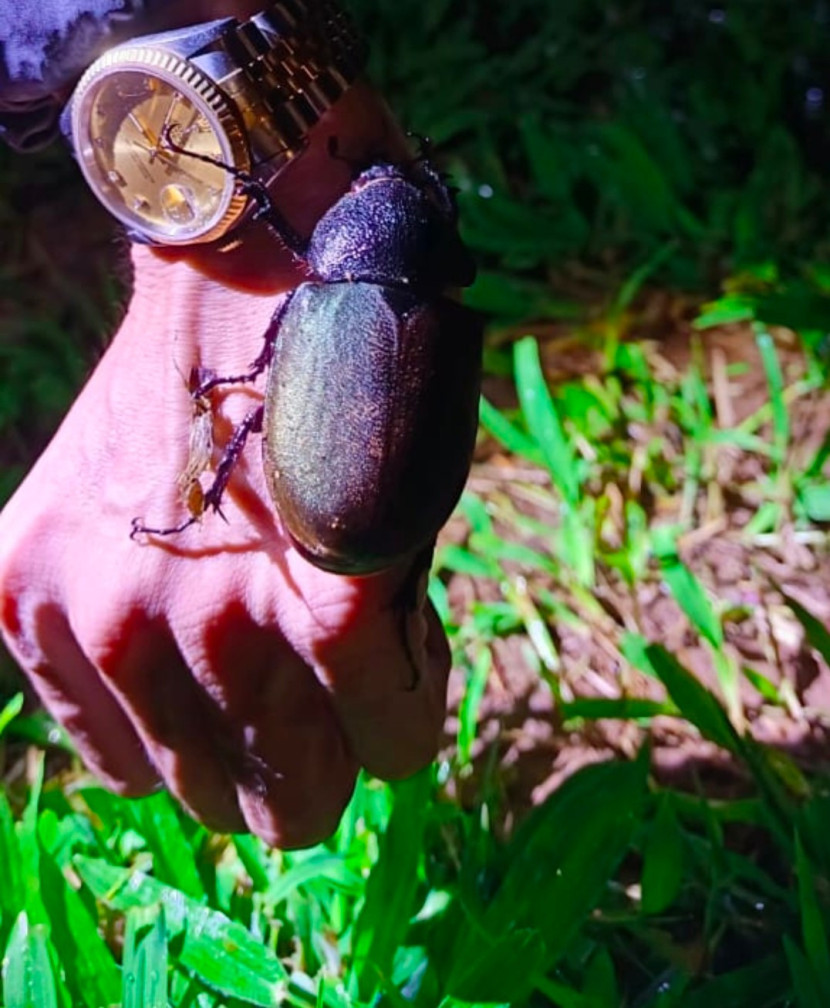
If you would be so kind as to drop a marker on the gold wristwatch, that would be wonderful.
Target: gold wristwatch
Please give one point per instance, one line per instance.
(241, 93)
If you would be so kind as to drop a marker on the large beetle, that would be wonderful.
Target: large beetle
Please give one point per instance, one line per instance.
(371, 402)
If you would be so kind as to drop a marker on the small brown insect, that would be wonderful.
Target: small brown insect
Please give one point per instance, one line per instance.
(200, 448)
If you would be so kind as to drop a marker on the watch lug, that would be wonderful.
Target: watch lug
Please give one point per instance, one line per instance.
(139, 238)
(188, 42)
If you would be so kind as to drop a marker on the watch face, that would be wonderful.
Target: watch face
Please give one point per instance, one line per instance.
(136, 124)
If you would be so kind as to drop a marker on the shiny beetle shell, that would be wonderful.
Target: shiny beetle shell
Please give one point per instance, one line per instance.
(370, 422)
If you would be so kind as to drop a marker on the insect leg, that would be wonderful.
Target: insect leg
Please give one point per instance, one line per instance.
(258, 365)
(251, 424)
(262, 361)
(406, 601)
(266, 210)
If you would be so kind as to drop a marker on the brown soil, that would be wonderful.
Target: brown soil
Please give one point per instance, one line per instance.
(523, 745)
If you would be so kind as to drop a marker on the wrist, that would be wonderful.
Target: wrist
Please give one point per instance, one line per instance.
(181, 316)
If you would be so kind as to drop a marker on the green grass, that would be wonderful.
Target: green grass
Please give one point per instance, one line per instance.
(608, 155)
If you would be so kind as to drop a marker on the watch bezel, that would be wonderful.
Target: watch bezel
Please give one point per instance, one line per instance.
(198, 88)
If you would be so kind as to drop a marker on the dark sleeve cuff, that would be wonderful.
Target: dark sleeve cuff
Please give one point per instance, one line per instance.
(44, 48)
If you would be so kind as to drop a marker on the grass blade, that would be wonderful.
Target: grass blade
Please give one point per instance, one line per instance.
(28, 978)
(762, 984)
(624, 708)
(633, 285)
(687, 590)
(812, 922)
(804, 985)
(699, 706)
(221, 952)
(557, 873)
(390, 889)
(456, 558)
(816, 632)
(158, 820)
(319, 865)
(694, 701)
(29, 848)
(499, 971)
(468, 708)
(543, 420)
(91, 973)
(254, 859)
(145, 959)
(12, 891)
(513, 439)
(775, 381)
(662, 858)
(10, 711)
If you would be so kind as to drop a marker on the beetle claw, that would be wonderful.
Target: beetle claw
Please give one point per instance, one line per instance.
(407, 601)
(137, 528)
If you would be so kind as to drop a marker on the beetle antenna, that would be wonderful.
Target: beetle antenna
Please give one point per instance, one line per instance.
(265, 211)
(435, 181)
(356, 165)
(333, 147)
(424, 145)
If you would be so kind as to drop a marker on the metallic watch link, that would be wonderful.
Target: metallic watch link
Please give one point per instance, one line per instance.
(297, 59)
(242, 94)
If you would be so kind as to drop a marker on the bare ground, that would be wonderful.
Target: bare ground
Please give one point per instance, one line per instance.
(523, 741)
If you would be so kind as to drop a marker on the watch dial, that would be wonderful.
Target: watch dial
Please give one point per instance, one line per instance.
(128, 119)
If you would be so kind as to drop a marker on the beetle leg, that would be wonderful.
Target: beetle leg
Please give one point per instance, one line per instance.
(266, 210)
(406, 601)
(136, 528)
(260, 364)
(251, 424)
(212, 497)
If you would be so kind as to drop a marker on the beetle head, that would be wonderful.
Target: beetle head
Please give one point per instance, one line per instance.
(394, 228)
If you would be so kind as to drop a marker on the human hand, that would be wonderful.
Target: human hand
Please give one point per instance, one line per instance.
(218, 661)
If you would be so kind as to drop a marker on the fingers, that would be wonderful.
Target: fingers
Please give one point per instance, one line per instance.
(293, 770)
(178, 724)
(385, 663)
(234, 720)
(72, 691)
(395, 732)
(250, 742)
